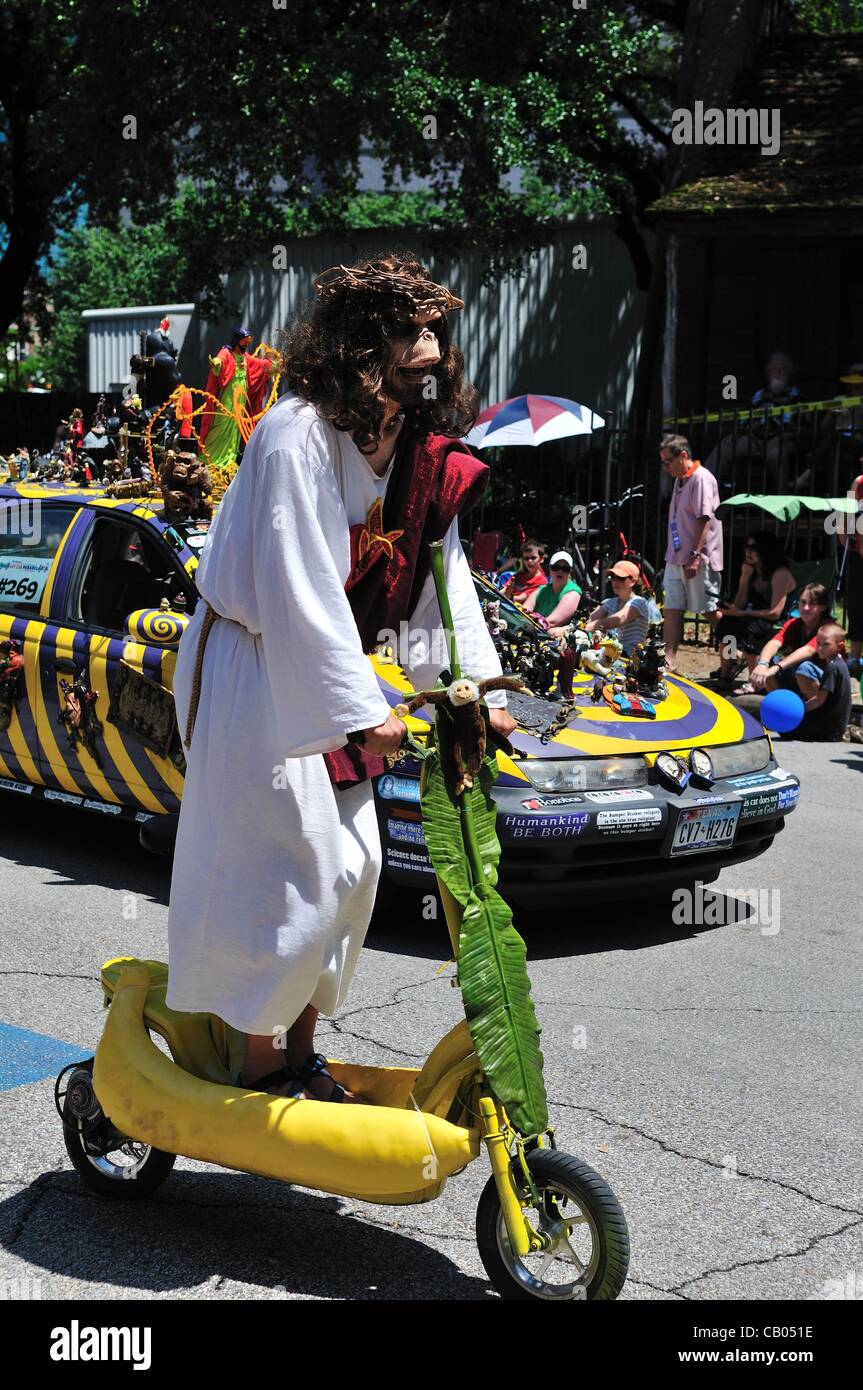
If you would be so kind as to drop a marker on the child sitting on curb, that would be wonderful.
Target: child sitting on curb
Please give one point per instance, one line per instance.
(825, 687)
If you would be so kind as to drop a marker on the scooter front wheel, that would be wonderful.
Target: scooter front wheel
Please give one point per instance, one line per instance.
(587, 1255)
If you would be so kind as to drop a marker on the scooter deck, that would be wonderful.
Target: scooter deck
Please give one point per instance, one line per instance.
(392, 1150)
(211, 1049)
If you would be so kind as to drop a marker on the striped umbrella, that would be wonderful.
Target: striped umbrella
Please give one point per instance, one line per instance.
(531, 420)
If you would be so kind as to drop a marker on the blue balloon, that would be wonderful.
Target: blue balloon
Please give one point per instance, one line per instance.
(781, 711)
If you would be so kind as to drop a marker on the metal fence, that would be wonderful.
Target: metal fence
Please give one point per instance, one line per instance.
(811, 450)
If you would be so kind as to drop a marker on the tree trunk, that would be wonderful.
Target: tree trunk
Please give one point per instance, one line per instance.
(718, 44)
(18, 263)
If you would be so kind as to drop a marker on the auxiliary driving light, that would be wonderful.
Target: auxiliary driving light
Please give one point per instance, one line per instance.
(672, 772)
(701, 768)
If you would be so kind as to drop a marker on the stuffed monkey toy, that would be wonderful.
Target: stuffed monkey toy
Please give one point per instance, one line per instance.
(462, 753)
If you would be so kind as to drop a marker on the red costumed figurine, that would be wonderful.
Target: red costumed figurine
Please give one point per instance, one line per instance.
(240, 382)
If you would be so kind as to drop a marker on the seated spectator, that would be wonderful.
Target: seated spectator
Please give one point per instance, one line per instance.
(850, 532)
(825, 687)
(766, 582)
(531, 576)
(838, 438)
(794, 642)
(770, 438)
(628, 612)
(556, 602)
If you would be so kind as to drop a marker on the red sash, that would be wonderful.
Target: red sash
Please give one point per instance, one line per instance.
(432, 483)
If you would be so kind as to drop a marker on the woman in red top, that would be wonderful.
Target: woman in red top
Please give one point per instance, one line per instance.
(796, 639)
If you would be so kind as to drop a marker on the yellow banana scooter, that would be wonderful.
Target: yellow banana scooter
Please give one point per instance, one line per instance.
(547, 1225)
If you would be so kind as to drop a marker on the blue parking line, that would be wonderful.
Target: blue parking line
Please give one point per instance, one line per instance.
(27, 1057)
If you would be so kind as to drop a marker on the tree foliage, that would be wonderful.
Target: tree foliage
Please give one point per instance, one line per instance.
(105, 268)
(826, 16)
(250, 123)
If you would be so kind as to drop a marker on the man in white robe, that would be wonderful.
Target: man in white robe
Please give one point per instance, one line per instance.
(275, 870)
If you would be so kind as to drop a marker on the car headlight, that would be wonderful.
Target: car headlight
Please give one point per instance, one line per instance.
(739, 758)
(584, 774)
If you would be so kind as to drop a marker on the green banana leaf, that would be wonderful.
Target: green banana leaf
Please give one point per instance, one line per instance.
(442, 824)
(464, 849)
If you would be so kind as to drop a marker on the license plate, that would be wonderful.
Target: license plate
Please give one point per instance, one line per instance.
(705, 827)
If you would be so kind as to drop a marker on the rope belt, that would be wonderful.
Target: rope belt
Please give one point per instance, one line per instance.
(210, 617)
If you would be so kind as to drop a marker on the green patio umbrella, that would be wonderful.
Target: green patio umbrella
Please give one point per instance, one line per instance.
(787, 506)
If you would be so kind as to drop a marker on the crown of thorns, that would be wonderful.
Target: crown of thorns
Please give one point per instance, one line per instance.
(421, 294)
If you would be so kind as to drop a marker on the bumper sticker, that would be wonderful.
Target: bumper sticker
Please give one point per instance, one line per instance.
(63, 796)
(409, 831)
(638, 818)
(399, 788)
(627, 794)
(535, 803)
(545, 827)
(762, 804)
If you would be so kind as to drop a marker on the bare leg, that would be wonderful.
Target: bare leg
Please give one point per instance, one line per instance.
(672, 633)
(265, 1052)
(291, 1047)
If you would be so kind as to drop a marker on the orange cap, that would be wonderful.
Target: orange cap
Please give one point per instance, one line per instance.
(625, 569)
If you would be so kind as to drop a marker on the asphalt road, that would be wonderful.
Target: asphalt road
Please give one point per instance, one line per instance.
(710, 1071)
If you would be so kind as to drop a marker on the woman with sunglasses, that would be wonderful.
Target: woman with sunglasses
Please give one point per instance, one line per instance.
(766, 584)
(556, 602)
(628, 611)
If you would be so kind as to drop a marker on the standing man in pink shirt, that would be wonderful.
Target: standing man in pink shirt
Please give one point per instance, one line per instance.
(693, 556)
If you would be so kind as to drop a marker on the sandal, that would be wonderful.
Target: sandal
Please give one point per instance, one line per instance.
(277, 1078)
(316, 1065)
(746, 689)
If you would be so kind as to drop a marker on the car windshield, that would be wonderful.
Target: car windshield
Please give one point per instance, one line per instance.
(515, 619)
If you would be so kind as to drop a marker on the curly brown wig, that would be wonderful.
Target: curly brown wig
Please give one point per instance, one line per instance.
(335, 355)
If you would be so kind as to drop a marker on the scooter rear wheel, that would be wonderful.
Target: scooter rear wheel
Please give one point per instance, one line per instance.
(128, 1171)
(588, 1256)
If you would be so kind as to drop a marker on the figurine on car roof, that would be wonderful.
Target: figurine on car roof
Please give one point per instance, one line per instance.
(646, 666)
(186, 485)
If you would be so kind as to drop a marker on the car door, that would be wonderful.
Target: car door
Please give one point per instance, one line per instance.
(122, 566)
(35, 544)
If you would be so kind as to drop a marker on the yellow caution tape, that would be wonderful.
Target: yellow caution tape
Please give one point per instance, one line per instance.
(759, 412)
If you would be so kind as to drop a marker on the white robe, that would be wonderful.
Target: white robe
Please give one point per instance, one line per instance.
(275, 871)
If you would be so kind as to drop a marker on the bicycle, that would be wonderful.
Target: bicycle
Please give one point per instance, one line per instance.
(605, 544)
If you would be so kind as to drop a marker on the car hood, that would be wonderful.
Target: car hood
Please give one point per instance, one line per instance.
(691, 717)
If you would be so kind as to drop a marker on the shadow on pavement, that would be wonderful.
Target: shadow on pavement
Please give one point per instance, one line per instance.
(402, 928)
(81, 848)
(216, 1228)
